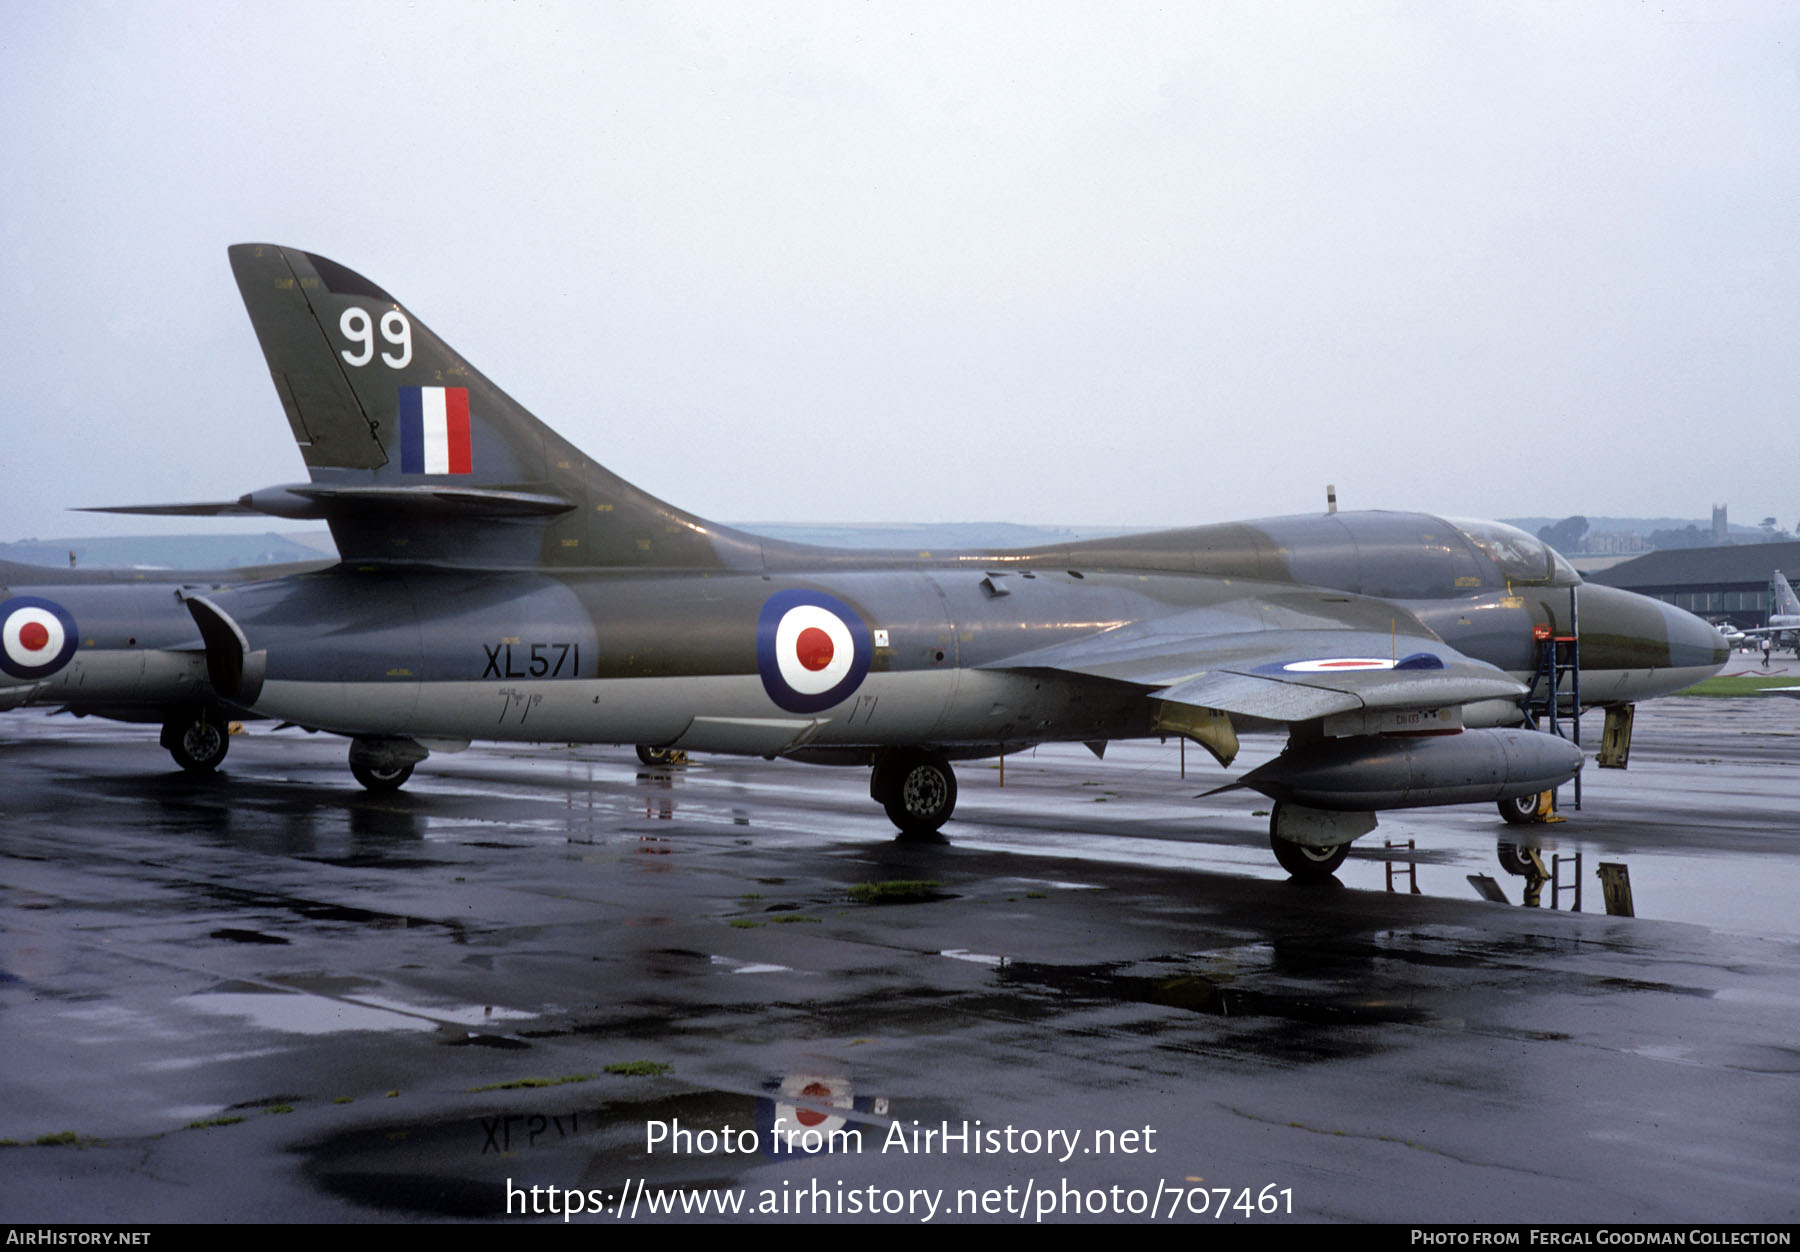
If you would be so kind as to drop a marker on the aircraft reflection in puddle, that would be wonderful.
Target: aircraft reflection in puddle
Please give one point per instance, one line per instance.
(1525, 862)
(808, 1115)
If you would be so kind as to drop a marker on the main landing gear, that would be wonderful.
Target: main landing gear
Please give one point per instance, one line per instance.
(198, 739)
(384, 764)
(916, 787)
(381, 777)
(1314, 862)
(1301, 860)
(1307, 863)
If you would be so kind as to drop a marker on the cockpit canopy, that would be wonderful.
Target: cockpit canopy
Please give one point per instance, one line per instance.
(1521, 557)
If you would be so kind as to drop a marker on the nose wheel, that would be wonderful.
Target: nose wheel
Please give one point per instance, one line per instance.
(1521, 810)
(1519, 860)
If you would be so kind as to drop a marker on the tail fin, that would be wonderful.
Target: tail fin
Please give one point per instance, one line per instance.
(1783, 602)
(415, 457)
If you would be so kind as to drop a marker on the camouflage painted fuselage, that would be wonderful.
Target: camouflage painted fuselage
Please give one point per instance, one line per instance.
(640, 655)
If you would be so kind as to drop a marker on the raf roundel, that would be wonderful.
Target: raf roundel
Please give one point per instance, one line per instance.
(1341, 664)
(37, 637)
(1334, 664)
(812, 650)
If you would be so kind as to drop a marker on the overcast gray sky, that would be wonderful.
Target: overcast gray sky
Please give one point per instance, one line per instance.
(1093, 263)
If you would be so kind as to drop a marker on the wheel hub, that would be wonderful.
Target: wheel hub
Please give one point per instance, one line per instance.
(923, 792)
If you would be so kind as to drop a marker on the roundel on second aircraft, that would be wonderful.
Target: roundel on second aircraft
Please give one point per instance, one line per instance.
(37, 637)
(812, 650)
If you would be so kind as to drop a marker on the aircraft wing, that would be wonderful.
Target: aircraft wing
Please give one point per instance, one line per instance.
(1239, 662)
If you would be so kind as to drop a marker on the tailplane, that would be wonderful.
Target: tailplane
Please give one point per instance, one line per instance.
(414, 456)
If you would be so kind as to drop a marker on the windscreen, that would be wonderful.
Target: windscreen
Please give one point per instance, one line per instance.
(1522, 558)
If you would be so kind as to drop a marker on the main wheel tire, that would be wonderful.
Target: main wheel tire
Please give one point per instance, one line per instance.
(1520, 810)
(655, 756)
(1307, 863)
(921, 789)
(381, 777)
(1302, 861)
(198, 743)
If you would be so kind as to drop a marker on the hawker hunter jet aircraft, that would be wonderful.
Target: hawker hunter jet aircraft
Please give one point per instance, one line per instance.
(498, 584)
(119, 644)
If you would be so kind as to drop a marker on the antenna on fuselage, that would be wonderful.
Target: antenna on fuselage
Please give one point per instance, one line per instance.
(1331, 497)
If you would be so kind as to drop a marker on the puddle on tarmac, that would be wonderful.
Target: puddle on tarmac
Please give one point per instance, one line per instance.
(300, 1014)
(325, 1005)
(583, 1138)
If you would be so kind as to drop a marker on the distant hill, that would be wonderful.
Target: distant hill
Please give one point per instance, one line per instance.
(1636, 525)
(172, 551)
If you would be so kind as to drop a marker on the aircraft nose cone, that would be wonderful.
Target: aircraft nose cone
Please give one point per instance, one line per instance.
(1693, 643)
(1654, 648)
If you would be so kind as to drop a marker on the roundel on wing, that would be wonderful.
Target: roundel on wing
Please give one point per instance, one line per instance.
(37, 637)
(812, 650)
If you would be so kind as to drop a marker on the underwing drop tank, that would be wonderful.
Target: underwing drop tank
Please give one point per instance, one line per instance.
(1369, 772)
